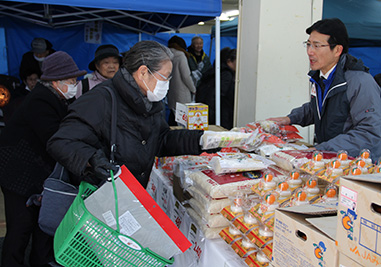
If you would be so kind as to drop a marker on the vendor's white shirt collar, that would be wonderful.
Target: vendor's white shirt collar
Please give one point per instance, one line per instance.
(325, 76)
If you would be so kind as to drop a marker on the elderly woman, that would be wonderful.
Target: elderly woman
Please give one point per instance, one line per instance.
(82, 142)
(24, 162)
(105, 64)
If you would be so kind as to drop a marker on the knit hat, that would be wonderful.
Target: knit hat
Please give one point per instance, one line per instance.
(60, 66)
(105, 51)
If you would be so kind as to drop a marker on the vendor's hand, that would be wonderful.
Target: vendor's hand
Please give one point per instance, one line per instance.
(101, 166)
(281, 120)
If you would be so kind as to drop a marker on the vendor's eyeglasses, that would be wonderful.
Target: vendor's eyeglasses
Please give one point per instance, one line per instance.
(307, 45)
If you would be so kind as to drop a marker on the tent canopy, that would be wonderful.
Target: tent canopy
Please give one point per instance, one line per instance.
(149, 16)
(227, 28)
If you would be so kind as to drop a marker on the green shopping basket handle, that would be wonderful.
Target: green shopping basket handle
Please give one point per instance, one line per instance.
(116, 200)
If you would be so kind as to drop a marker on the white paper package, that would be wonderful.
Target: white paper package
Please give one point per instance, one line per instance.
(211, 205)
(135, 221)
(223, 185)
(208, 232)
(212, 220)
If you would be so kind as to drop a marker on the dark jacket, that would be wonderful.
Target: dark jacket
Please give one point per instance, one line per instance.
(206, 93)
(24, 162)
(350, 117)
(142, 132)
(198, 65)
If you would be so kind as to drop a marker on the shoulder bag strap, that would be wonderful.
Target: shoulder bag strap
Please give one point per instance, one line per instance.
(113, 124)
(85, 85)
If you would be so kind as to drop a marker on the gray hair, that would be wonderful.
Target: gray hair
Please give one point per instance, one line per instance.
(148, 53)
(46, 83)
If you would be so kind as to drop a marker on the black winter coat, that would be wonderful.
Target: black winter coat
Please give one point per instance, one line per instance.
(24, 162)
(142, 133)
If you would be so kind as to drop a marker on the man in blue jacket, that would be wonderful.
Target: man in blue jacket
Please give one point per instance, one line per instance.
(345, 99)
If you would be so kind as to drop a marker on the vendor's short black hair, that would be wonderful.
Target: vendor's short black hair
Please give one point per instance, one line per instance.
(335, 28)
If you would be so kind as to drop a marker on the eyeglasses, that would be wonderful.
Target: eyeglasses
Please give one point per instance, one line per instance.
(69, 83)
(307, 45)
(161, 75)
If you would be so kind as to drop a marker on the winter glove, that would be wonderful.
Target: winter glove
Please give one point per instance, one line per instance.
(101, 166)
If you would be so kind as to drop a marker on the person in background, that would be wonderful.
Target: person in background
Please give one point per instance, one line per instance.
(18, 95)
(32, 60)
(206, 91)
(105, 64)
(345, 99)
(82, 143)
(25, 164)
(181, 87)
(199, 62)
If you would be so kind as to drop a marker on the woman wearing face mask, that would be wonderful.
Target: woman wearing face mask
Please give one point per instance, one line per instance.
(82, 142)
(24, 162)
(105, 64)
(32, 60)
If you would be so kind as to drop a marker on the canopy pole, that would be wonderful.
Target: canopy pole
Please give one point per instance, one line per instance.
(218, 74)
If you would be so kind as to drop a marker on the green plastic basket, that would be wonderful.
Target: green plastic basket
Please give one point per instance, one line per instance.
(83, 240)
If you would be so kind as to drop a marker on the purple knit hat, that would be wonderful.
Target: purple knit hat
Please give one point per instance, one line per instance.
(60, 66)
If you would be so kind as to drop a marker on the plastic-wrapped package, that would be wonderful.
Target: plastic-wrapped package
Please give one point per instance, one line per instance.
(239, 162)
(211, 219)
(136, 220)
(212, 205)
(208, 232)
(211, 140)
(223, 185)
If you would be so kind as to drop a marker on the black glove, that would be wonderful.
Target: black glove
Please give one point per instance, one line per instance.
(101, 166)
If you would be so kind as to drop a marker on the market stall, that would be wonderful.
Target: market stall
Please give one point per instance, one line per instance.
(243, 205)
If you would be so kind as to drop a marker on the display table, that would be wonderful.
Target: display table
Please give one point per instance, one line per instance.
(203, 252)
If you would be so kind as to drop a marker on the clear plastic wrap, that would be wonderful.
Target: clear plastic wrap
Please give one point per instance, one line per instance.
(210, 219)
(208, 232)
(212, 205)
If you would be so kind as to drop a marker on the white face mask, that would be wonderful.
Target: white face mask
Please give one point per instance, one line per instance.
(71, 90)
(160, 90)
(39, 59)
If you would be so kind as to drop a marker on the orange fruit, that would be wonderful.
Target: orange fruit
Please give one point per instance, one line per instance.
(360, 163)
(311, 183)
(283, 186)
(301, 196)
(335, 164)
(268, 177)
(294, 175)
(365, 154)
(270, 199)
(355, 171)
(318, 156)
(342, 156)
(331, 192)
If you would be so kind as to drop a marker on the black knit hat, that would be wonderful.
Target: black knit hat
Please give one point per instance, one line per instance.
(105, 51)
(60, 66)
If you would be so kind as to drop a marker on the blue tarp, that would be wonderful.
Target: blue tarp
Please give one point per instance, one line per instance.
(20, 34)
(62, 22)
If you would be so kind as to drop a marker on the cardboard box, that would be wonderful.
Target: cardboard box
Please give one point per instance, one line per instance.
(193, 116)
(359, 219)
(345, 261)
(301, 240)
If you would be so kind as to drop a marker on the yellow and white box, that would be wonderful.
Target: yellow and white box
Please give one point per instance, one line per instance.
(359, 219)
(193, 116)
(297, 242)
